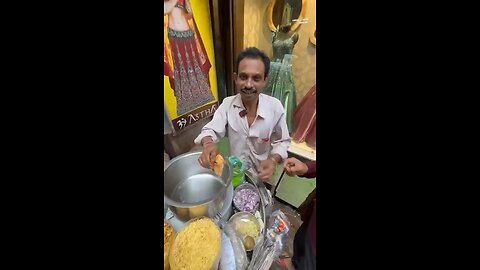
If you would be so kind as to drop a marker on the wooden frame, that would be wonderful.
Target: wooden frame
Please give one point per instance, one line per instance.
(294, 26)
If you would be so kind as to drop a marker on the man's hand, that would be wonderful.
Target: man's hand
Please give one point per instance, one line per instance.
(210, 151)
(266, 170)
(294, 167)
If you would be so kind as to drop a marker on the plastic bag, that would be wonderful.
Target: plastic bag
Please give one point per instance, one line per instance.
(241, 259)
(264, 255)
(272, 243)
(227, 257)
(278, 224)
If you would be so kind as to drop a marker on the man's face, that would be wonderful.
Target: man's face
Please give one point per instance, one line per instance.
(250, 79)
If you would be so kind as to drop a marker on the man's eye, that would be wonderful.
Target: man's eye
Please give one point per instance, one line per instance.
(243, 77)
(256, 78)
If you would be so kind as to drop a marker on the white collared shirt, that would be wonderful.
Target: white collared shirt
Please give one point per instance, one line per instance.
(267, 135)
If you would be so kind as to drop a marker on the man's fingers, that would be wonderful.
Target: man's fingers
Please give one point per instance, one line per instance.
(288, 170)
(290, 164)
(204, 161)
(207, 161)
(212, 155)
(266, 165)
(262, 175)
(263, 178)
(265, 175)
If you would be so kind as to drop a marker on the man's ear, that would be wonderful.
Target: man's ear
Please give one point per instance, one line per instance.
(235, 76)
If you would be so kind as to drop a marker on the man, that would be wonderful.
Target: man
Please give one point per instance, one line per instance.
(304, 244)
(253, 122)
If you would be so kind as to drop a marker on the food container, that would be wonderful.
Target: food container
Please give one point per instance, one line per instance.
(197, 246)
(246, 225)
(246, 198)
(193, 191)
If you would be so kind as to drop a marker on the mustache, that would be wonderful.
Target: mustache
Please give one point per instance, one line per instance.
(249, 89)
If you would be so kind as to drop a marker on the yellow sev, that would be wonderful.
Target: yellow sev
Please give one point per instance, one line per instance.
(167, 233)
(197, 246)
(167, 240)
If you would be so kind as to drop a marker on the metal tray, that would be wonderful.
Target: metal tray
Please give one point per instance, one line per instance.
(265, 207)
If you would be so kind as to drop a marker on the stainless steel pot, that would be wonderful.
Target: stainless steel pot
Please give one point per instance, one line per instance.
(193, 191)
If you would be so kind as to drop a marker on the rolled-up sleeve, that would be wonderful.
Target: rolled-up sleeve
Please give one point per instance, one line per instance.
(312, 170)
(280, 138)
(216, 128)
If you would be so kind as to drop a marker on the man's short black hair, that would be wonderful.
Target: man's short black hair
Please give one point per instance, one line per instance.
(254, 53)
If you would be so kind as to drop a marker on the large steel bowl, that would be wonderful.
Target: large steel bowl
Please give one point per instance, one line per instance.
(193, 191)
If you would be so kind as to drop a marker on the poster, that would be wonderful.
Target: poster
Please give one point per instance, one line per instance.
(190, 85)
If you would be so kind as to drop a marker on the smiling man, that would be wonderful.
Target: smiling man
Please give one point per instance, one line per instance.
(253, 122)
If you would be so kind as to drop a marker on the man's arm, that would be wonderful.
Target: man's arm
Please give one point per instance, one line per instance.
(211, 133)
(312, 170)
(214, 130)
(280, 140)
(293, 167)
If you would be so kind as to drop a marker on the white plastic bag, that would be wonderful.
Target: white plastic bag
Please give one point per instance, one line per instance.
(241, 259)
(227, 257)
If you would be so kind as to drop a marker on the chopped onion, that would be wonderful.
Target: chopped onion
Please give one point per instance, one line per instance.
(246, 200)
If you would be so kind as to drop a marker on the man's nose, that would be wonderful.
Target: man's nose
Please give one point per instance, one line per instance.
(249, 84)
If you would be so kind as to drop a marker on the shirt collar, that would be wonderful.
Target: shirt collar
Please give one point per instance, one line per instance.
(262, 104)
(237, 102)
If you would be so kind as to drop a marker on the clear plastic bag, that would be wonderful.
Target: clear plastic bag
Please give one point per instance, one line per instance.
(265, 254)
(241, 259)
(278, 224)
(227, 257)
(272, 242)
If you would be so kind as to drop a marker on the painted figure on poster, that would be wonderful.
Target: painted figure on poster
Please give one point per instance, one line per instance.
(185, 59)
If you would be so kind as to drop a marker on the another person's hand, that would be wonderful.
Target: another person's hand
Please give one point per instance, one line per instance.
(266, 170)
(210, 151)
(295, 167)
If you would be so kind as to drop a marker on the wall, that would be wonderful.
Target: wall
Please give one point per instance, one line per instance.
(257, 33)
